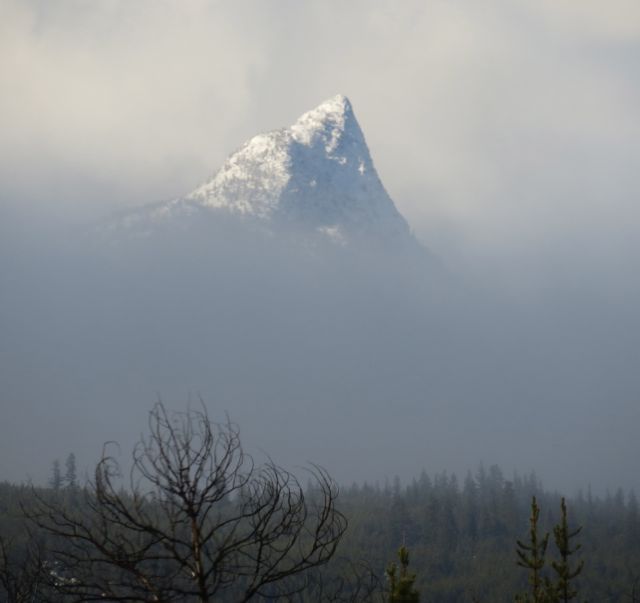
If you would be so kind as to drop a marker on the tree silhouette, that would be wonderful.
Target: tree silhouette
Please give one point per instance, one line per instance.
(56, 476)
(563, 587)
(70, 475)
(197, 520)
(531, 556)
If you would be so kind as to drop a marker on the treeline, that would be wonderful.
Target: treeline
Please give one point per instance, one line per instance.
(462, 535)
(199, 520)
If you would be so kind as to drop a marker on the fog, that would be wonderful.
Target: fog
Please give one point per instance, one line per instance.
(370, 364)
(506, 135)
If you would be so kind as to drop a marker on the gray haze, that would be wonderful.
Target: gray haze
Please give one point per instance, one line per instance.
(507, 133)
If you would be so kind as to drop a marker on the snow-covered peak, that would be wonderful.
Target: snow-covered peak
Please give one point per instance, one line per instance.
(315, 178)
(328, 121)
(318, 173)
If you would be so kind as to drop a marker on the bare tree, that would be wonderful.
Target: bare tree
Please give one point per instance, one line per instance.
(198, 519)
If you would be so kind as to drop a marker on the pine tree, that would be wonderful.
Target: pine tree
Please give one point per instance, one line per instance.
(70, 476)
(532, 557)
(401, 584)
(563, 587)
(56, 476)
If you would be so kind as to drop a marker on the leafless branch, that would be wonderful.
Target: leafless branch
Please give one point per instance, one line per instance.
(197, 520)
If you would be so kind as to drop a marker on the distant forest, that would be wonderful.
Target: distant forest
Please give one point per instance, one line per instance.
(200, 522)
(462, 535)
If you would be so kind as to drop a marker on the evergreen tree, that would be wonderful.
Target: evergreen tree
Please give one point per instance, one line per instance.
(563, 587)
(70, 476)
(56, 475)
(401, 584)
(532, 557)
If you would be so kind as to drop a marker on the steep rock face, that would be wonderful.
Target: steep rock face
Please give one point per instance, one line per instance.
(316, 176)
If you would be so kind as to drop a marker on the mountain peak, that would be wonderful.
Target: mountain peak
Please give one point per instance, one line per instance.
(328, 122)
(334, 107)
(316, 175)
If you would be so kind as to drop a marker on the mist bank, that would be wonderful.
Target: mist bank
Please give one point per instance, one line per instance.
(369, 361)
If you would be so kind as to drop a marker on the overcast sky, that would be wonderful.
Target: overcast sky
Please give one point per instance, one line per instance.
(500, 122)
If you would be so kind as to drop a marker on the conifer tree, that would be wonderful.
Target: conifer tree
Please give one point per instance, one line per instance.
(563, 587)
(401, 583)
(56, 476)
(531, 556)
(70, 476)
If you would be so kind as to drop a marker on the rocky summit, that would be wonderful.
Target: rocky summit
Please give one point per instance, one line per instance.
(316, 175)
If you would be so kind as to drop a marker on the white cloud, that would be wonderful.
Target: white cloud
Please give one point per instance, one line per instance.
(616, 20)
